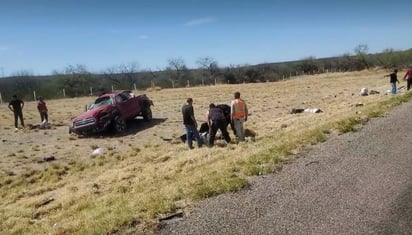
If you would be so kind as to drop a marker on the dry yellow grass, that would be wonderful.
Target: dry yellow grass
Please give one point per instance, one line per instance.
(141, 176)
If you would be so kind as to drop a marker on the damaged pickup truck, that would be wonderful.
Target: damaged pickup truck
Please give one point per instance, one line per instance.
(110, 111)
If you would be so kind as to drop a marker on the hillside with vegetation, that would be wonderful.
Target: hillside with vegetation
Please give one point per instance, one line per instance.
(77, 81)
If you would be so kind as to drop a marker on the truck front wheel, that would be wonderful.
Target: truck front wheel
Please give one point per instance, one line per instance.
(119, 125)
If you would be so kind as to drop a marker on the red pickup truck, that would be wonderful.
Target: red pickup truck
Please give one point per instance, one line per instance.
(111, 111)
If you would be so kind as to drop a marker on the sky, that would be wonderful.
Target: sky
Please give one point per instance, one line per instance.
(42, 36)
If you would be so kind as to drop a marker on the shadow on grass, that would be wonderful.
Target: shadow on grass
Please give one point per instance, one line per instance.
(132, 127)
(137, 125)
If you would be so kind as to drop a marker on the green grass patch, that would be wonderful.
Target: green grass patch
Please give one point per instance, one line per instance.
(215, 184)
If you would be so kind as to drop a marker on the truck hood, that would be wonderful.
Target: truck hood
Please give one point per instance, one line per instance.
(92, 113)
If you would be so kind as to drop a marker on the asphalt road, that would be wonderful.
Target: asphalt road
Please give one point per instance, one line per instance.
(356, 183)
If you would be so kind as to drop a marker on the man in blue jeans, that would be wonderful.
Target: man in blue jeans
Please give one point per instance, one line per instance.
(393, 80)
(190, 124)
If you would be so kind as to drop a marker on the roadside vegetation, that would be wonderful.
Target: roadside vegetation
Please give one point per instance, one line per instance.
(142, 178)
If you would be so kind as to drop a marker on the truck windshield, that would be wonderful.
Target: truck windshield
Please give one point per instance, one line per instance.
(107, 100)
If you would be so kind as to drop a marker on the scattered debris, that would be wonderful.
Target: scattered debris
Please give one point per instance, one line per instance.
(49, 158)
(299, 110)
(373, 92)
(39, 126)
(358, 105)
(166, 139)
(98, 151)
(177, 214)
(283, 126)
(364, 91)
(312, 162)
(44, 202)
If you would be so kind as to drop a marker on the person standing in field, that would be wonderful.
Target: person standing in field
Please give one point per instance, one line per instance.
(408, 77)
(217, 121)
(393, 80)
(42, 108)
(190, 124)
(16, 106)
(238, 114)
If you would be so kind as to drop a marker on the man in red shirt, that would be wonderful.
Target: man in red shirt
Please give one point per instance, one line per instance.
(41, 106)
(408, 77)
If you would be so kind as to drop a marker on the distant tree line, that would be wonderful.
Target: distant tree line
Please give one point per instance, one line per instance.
(76, 80)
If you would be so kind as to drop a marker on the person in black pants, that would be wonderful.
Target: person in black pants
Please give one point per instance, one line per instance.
(16, 106)
(216, 120)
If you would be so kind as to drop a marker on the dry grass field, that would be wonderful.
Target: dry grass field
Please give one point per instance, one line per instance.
(147, 174)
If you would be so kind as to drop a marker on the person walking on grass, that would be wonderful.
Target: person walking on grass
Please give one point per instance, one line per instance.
(238, 114)
(217, 121)
(190, 124)
(393, 80)
(408, 77)
(16, 106)
(42, 108)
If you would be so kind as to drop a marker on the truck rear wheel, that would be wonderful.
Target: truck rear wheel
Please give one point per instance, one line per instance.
(147, 114)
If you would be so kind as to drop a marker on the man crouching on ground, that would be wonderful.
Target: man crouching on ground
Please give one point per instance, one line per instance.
(216, 120)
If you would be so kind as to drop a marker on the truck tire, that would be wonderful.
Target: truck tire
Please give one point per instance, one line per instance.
(119, 125)
(147, 114)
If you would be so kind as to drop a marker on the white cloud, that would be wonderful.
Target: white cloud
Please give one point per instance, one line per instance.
(200, 21)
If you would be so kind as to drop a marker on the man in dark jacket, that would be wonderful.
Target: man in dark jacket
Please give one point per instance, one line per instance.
(16, 106)
(216, 120)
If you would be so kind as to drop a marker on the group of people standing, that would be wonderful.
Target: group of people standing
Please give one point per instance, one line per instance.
(216, 121)
(16, 106)
(393, 79)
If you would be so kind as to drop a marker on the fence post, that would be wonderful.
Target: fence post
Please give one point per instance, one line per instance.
(112, 88)
(1, 99)
(64, 93)
(34, 95)
(134, 86)
(91, 91)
